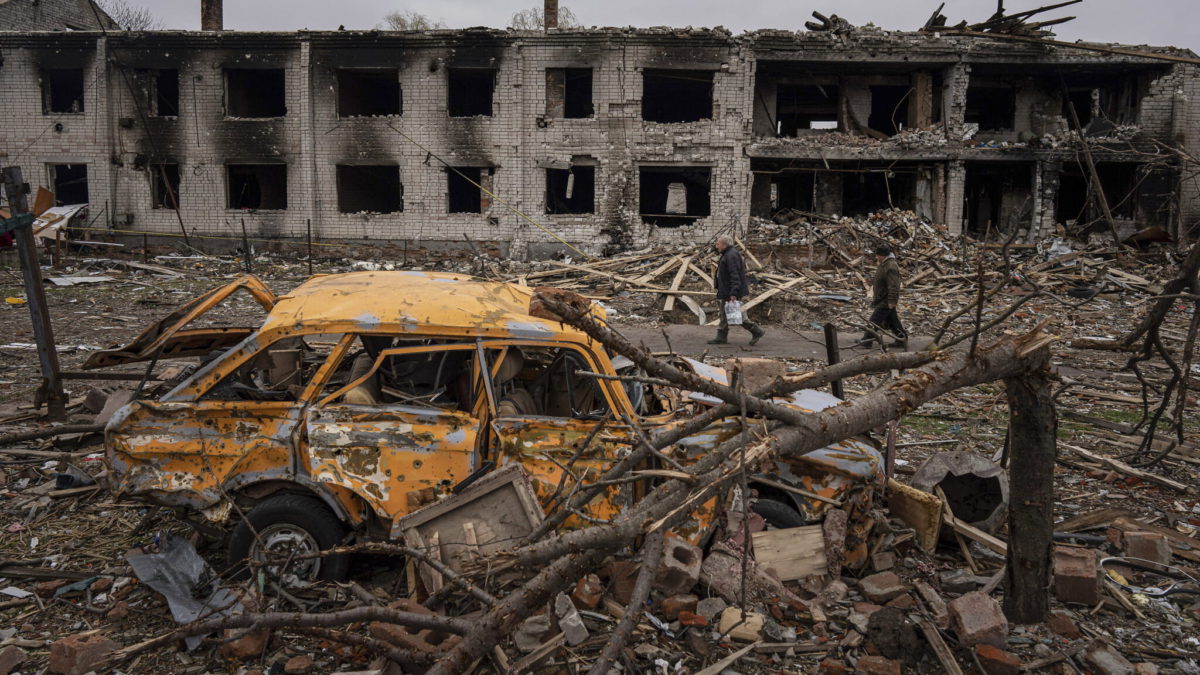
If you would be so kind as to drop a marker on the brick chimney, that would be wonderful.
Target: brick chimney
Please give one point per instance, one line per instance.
(551, 14)
(211, 15)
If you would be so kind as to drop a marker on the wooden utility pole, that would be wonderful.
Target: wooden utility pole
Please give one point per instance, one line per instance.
(1097, 188)
(21, 225)
(1033, 445)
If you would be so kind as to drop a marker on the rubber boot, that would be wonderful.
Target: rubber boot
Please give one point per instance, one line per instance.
(756, 335)
(721, 339)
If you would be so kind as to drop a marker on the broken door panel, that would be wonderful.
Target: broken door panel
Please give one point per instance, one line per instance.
(194, 453)
(384, 452)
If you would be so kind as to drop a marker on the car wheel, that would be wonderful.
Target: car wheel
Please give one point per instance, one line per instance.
(291, 525)
(777, 514)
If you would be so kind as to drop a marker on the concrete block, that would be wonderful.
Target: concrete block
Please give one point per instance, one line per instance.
(679, 567)
(976, 618)
(711, 608)
(1075, 575)
(879, 588)
(569, 620)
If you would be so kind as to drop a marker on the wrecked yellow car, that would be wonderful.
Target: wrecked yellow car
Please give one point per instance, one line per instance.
(364, 396)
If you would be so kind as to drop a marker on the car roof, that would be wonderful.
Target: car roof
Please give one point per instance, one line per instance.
(419, 303)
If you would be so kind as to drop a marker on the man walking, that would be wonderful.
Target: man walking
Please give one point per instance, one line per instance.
(731, 286)
(886, 298)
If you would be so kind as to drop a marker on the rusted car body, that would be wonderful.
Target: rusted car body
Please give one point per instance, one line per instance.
(377, 392)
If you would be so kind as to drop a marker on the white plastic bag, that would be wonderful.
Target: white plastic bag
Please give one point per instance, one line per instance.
(733, 312)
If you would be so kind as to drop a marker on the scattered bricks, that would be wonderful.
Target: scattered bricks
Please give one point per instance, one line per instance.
(905, 601)
(866, 608)
(532, 633)
(893, 636)
(298, 664)
(427, 641)
(569, 620)
(588, 592)
(997, 661)
(880, 588)
(76, 654)
(877, 665)
(883, 561)
(1145, 668)
(829, 666)
(937, 606)
(687, 618)
(711, 608)
(11, 657)
(977, 618)
(1075, 575)
(743, 631)
(960, 581)
(1148, 546)
(101, 585)
(679, 567)
(671, 607)
(248, 646)
(622, 577)
(1061, 622)
(1105, 660)
(46, 589)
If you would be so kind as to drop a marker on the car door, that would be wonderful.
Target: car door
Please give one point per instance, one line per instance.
(544, 415)
(389, 431)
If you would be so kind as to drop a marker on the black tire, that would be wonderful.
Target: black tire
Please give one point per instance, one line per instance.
(777, 514)
(291, 520)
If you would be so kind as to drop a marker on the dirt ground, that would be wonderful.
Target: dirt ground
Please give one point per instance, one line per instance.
(88, 534)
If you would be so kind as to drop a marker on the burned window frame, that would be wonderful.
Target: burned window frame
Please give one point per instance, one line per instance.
(341, 176)
(230, 93)
(47, 82)
(983, 112)
(229, 185)
(377, 74)
(52, 169)
(454, 174)
(801, 108)
(653, 105)
(454, 91)
(150, 81)
(568, 106)
(669, 220)
(161, 177)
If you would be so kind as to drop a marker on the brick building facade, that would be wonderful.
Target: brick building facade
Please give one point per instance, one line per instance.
(607, 138)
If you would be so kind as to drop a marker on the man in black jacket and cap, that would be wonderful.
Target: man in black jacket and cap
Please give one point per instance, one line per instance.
(732, 285)
(886, 296)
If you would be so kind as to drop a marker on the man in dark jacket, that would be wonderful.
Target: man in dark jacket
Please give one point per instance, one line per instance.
(886, 298)
(732, 285)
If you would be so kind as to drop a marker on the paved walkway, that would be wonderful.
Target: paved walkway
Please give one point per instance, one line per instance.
(779, 342)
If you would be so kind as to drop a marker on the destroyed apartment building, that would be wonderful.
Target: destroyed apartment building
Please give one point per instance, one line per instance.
(607, 139)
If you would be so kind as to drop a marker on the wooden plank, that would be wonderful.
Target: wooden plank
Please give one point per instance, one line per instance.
(1124, 468)
(967, 530)
(792, 554)
(661, 269)
(940, 650)
(919, 510)
(724, 663)
(702, 274)
(669, 303)
(695, 307)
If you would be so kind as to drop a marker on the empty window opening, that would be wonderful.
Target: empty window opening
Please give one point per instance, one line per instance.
(62, 90)
(164, 100)
(992, 108)
(70, 183)
(677, 95)
(374, 189)
(470, 91)
(792, 191)
(805, 107)
(998, 198)
(373, 92)
(1085, 102)
(1076, 199)
(671, 196)
(571, 190)
(257, 186)
(889, 108)
(255, 92)
(569, 92)
(164, 183)
(865, 192)
(462, 189)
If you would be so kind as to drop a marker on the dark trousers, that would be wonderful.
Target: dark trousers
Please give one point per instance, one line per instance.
(889, 320)
(723, 327)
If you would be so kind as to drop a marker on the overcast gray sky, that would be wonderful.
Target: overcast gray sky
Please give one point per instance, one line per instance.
(1154, 22)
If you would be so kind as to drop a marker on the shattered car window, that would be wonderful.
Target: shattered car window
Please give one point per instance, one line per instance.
(278, 373)
(546, 381)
